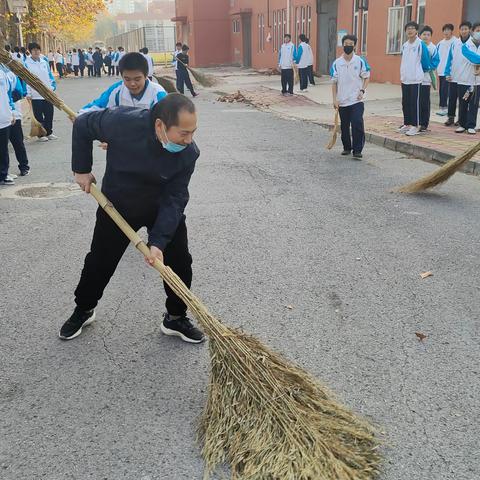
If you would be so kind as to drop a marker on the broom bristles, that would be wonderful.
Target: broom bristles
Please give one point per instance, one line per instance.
(166, 83)
(442, 174)
(206, 81)
(333, 140)
(36, 129)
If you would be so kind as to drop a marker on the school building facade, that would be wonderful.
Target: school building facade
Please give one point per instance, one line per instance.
(250, 32)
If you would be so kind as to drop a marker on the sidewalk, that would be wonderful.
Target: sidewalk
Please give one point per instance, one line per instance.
(382, 118)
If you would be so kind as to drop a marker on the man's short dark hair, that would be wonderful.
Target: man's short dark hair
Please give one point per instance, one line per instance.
(353, 38)
(133, 61)
(302, 37)
(475, 25)
(145, 50)
(287, 35)
(34, 45)
(466, 23)
(169, 108)
(23, 49)
(411, 24)
(426, 28)
(7, 47)
(185, 48)
(17, 50)
(448, 26)
(178, 44)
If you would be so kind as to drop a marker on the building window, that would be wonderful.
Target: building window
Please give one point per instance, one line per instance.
(309, 22)
(261, 32)
(364, 32)
(236, 26)
(395, 29)
(421, 12)
(275, 32)
(355, 17)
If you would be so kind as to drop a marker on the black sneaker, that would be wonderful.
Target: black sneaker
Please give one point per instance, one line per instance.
(182, 327)
(73, 326)
(24, 173)
(357, 155)
(346, 152)
(449, 122)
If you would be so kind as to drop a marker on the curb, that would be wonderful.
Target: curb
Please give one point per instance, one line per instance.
(416, 151)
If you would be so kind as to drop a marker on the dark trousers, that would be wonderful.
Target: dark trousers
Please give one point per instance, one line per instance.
(444, 91)
(287, 80)
(111, 70)
(183, 78)
(82, 70)
(117, 71)
(452, 100)
(43, 112)
(468, 109)
(98, 70)
(425, 105)
(52, 65)
(352, 116)
(303, 73)
(16, 139)
(60, 69)
(4, 159)
(75, 70)
(108, 247)
(90, 70)
(311, 77)
(411, 104)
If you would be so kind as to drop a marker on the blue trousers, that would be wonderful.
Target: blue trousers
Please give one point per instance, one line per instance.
(352, 117)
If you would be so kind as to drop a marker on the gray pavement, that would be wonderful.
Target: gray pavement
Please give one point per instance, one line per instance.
(274, 220)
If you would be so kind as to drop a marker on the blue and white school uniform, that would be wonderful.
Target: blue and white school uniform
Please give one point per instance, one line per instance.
(6, 117)
(443, 51)
(149, 60)
(303, 59)
(118, 94)
(286, 60)
(425, 104)
(349, 77)
(415, 62)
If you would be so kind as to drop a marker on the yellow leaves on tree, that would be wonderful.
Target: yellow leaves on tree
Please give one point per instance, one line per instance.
(69, 19)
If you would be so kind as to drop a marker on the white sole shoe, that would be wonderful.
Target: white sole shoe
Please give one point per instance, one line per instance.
(79, 331)
(175, 333)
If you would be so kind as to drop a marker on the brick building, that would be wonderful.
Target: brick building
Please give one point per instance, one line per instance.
(249, 32)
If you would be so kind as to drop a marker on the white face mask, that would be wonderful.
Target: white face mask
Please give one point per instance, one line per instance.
(476, 36)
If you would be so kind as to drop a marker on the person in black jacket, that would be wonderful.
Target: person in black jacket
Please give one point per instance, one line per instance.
(97, 62)
(151, 157)
(183, 77)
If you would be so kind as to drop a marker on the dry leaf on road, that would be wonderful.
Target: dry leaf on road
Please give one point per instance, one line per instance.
(420, 336)
(426, 274)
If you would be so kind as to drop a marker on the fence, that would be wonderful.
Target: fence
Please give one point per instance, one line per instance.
(158, 39)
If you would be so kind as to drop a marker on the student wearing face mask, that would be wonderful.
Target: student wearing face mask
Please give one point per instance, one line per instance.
(350, 77)
(150, 160)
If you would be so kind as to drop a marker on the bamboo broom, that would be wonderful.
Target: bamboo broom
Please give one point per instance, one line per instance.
(36, 128)
(204, 80)
(265, 418)
(333, 140)
(166, 83)
(442, 174)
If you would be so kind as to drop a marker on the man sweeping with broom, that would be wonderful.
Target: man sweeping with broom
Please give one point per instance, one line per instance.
(150, 160)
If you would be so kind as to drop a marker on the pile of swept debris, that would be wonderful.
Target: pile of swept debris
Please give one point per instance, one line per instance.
(239, 97)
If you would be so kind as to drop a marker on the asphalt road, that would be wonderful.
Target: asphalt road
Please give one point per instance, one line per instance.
(274, 220)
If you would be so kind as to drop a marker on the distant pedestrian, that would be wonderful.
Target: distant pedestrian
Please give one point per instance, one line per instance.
(24, 53)
(107, 60)
(311, 76)
(75, 62)
(443, 51)
(178, 49)
(97, 58)
(51, 60)
(415, 62)
(68, 70)
(452, 70)
(17, 55)
(350, 76)
(59, 63)
(183, 60)
(286, 60)
(42, 109)
(81, 62)
(7, 119)
(120, 54)
(149, 58)
(303, 58)
(425, 89)
(89, 62)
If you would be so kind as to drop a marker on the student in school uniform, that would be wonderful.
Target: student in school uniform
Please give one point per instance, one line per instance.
(120, 54)
(443, 50)
(134, 90)
(148, 57)
(311, 76)
(59, 63)
(75, 62)
(286, 60)
(68, 69)
(42, 109)
(425, 104)
(303, 58)
(178, 49)
(350, 75)
(182, 62)
(7, 119)
(97, 58)
(81, 62)
(107, 60)
(451, 70)
(89, 62)
(469, 83)
(415, 62)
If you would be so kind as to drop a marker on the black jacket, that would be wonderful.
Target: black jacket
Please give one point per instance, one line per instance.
(97, 58)
(140, 174)
(184, 59)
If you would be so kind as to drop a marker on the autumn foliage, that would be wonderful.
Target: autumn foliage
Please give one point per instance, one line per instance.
(72, 20)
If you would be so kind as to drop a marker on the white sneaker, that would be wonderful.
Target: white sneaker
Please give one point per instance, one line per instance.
(52, 137)
(12, 177)
(42, 139)
(403, 129)
(459, 130)
(442, 113)
(472, 131)
(412, 131)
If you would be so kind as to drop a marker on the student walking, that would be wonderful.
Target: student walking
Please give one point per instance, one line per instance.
(42, 110)
(454, 62)
(303, 58)
(434, 58)
(75, 62)
(148, 172)
(107, 60)
(97, 58)
(6, 120)
(81, 62)
(178, 49)
(51, 60)
(182, 62)
(59, 63)
(69, 63)
(415, 62)
(443, 51)
(350, 75)
(286, 60)
(89, 62)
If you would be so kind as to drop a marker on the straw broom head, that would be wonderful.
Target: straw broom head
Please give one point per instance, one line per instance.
(36, 129)
(204, 80)
(166, 83)
(442, 174)
(333, 140)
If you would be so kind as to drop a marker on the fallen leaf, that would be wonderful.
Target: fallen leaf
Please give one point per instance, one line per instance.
(420, 336)
(426, 274)
(290, 307)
